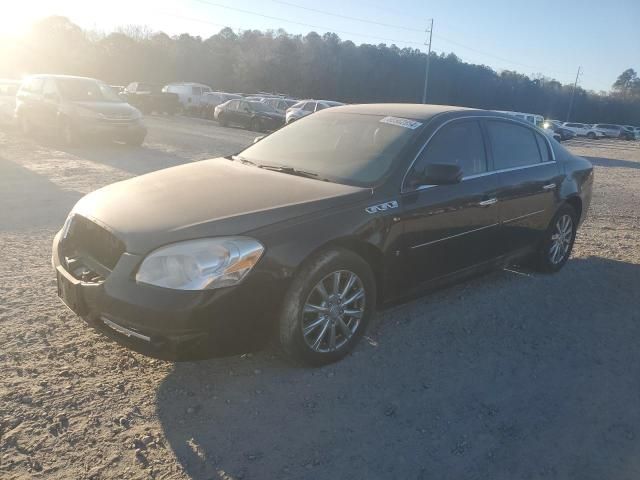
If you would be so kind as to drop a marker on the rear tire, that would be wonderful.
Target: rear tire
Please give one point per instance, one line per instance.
(327, 308)
(591, 136)
(557, 244)
(68, 134)
(135, 140)
(255, 126)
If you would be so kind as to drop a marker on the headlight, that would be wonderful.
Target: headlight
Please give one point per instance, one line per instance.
(201, 264)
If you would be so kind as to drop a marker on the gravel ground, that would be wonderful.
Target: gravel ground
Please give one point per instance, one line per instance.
(511, 375)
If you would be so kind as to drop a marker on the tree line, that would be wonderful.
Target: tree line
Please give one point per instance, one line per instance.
(306, 66)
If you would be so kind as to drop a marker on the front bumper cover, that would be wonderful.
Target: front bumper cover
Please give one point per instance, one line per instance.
(160, 317)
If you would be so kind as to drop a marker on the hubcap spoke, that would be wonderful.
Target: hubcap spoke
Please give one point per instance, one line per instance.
(320, 337)
(353, 313)
(322, 290)
(346, 331)
(349, 285)
(313, 325)
(356, 296)
(332, 337)
(336, 283)
(309, 308)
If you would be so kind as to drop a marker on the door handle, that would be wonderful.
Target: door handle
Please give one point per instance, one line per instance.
(486, 203)
(551, 186)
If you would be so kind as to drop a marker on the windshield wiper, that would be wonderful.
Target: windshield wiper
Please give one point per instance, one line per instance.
(238, 158)
(292, 171)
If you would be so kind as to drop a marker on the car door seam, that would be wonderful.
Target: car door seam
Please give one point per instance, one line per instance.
(523, 216)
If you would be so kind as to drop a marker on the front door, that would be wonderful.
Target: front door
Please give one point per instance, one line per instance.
(448, 228)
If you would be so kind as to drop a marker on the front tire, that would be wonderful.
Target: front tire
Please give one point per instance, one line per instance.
(254, 125)
(591, 136)
(557, 244)
(327, 308)
(25, 125)
(135, 140)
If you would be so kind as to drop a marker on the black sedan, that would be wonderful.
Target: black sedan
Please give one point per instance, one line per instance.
(252, 115)
(314, 227)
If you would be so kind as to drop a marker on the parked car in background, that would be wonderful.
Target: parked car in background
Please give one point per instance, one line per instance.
(631, 132)
(563, 133)
(210, 100)
(306, 232)
(190, 95)
(251, 115)
(280, 104)
(616, 131)
(8, 90)
(584, 130)
(636, 131)
(531, 118)
(74, 108)
(149, 98)
(307, 107)
(119, 89)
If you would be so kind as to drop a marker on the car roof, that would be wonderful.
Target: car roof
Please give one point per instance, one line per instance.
(48, 75)
(415, 111)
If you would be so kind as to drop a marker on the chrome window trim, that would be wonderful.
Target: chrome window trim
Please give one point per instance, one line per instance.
(483, 174)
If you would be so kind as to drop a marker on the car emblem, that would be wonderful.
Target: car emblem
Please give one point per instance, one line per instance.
(382, 207)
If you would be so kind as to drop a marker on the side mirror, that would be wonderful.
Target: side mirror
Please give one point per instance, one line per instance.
(257, 139)
(441, 174)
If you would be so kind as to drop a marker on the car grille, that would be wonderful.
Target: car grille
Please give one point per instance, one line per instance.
(89, 251)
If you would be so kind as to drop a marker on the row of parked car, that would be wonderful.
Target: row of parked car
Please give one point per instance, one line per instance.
(258, 112)
(562, 131)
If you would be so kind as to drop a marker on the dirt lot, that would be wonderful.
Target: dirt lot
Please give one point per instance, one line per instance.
(509, 376)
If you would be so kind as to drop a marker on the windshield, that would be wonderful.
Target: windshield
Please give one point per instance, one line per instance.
(262, 107)
(86, 90)
(344, 147)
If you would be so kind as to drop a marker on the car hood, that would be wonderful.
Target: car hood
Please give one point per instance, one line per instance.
(208, 198)
(109, 109)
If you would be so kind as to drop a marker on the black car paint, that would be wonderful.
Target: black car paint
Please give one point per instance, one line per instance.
(249, 118)
(415, 239)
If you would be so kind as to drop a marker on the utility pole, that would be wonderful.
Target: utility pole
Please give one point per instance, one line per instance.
(573, 94)
(426, 72)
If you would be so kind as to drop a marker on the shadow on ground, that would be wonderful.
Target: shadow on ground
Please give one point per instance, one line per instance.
(30, 201)
(507, 376)
(612, 162)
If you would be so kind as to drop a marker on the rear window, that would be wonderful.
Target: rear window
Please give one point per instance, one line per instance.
(512, 145)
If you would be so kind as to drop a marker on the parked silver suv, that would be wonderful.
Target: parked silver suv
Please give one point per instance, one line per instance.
(75, 108)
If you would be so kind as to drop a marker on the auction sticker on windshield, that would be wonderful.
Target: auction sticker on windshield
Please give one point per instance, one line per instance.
(401, 122)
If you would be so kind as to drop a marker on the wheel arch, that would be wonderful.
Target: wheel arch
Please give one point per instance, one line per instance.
(575, 202)
(370, 253)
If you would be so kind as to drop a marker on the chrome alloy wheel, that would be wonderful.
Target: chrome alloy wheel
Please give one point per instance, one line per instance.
(561, 239)
(333, 311)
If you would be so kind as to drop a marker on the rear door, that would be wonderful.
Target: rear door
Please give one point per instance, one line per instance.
(448, 228)
(50, 104)
(528, 179)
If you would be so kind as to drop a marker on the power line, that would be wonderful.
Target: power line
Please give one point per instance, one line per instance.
(373, 22)
(280, 19)
(347, 17)
(385, 39)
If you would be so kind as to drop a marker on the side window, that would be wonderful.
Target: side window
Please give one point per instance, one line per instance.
(49, 88)
(309, 106)
(544, 148)
(459, 143)
(35, 85)
(196, 91)
(512, 145)
(233, 105)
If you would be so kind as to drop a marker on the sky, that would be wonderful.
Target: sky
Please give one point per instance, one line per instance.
(548, 37)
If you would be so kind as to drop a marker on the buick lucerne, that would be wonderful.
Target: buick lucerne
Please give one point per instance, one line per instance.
(312, 228)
